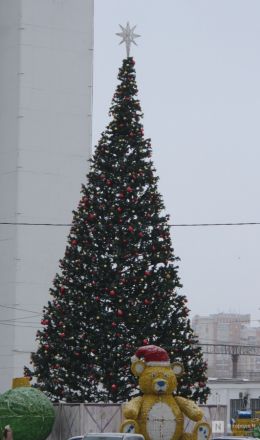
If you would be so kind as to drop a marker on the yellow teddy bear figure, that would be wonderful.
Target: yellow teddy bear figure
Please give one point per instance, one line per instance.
(158, 414)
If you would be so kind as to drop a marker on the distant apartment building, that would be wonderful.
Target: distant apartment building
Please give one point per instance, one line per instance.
(228, 329)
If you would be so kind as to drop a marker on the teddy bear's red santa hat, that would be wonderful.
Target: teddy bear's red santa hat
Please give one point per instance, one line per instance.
(153, 356)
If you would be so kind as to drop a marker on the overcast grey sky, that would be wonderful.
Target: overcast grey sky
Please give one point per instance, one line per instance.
(198, 73)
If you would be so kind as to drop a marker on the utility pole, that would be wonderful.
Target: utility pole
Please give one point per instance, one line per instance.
(234, 358)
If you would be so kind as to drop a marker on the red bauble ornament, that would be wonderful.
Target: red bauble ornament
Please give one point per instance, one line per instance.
(119, 312)
(62, 290)
(147, 273)
(91, 216)
(140, 234)
(130, 229)
(119, 209)
(114, 324)
(74, 242)
(145, 342)
(97, 298)
(129, 189)
(113, 387)
(46, 346)
(121, 195)
(201, 384)
(112, 293)
(147, 302)
(109, 182)
(62, 335)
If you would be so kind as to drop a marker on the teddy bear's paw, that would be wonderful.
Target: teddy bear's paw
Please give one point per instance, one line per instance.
(201, 431)
(129, 427)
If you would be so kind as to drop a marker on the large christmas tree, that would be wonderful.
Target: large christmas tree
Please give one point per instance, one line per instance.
(117, 288)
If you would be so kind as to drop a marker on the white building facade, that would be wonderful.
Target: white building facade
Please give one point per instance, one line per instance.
(46, 56)
(236, 394)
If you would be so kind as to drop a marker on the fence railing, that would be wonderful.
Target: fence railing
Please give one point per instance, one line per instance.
(76, 419)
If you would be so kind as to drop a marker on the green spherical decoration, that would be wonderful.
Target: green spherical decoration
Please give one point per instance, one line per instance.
(29, 413)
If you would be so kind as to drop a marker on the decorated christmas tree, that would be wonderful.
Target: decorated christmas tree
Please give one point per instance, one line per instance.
(118, 283)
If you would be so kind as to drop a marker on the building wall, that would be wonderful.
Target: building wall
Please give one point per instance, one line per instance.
(9, 93)
(251, 364)
(46, 142)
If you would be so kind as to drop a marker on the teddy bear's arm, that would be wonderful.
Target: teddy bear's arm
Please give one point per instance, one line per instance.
(132, 408)
(189, 408)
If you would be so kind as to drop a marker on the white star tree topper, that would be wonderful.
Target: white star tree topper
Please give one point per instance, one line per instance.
(128, 36)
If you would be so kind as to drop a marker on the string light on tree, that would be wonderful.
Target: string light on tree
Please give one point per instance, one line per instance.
(118, 284)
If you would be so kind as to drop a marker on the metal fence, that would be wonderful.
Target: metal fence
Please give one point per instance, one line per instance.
(255, 406)
(76, 419)
(235, 406)
(240, 404)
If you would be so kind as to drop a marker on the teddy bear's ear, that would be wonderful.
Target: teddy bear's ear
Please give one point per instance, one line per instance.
(137, 368)
(177, 368)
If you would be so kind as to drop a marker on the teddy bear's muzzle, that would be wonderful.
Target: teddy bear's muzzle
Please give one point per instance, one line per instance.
(160, 385)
